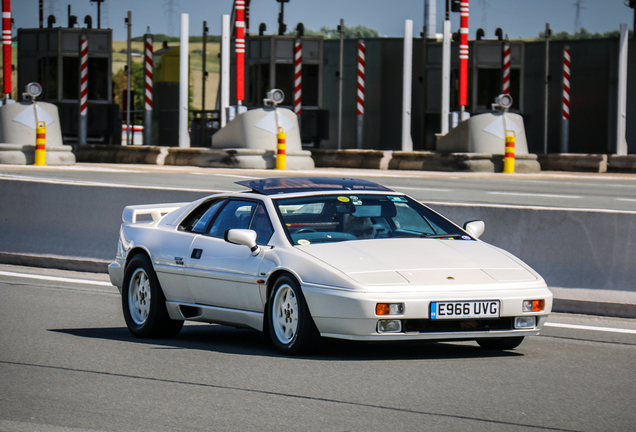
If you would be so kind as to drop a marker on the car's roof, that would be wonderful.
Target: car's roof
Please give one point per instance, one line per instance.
(289, 185)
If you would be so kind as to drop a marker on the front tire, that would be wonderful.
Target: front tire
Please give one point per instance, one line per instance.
(291, 328)
(143, 302)
(507, 343)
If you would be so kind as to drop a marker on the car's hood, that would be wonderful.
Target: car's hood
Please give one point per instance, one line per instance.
(420, 261)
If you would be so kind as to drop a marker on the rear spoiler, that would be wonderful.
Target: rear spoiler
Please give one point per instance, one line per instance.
(155, 211)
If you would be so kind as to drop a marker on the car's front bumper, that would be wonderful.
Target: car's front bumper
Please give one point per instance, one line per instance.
(346, 314)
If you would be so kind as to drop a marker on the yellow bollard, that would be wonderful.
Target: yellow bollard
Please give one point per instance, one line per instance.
(281, 157)
(509, 157)
(40, 144)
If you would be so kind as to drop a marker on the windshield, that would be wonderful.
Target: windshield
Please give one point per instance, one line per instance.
(332, 218)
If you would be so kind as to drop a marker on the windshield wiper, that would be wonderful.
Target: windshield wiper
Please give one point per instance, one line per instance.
(440, 235)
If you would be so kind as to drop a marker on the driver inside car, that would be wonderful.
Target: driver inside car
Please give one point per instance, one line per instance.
(360, 227)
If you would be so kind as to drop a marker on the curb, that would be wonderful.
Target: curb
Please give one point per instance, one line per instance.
(56, 262)
(617, 310)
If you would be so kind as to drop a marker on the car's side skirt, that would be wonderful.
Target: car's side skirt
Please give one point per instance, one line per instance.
(213, 314)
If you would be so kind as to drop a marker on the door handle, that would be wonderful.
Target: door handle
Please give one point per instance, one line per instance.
(196, 253)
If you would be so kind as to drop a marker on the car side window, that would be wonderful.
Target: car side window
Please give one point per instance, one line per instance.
(262, 225)
(236, 214)
(198, 219)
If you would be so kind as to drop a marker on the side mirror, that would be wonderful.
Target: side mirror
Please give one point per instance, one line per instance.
(243, 237)
(475, 228)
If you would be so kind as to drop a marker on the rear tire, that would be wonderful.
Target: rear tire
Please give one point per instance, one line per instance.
(143, 302)
(506, 343)
(291, 328)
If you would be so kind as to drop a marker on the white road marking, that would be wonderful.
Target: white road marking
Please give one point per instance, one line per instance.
(421, 188)
(55, 278)
(98, 184)
(626, 199)
(584, 327)
(534, 194)
(230, 175)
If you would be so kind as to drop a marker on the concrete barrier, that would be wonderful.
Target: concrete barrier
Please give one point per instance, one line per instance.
(569, 248)
(353, 158)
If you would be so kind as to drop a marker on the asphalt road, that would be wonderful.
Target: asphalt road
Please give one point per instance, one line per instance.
(68, 363)
(614, 192)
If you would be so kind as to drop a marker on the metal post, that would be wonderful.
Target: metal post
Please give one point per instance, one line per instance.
(446, 59)
(621, 142)
(361, 71)
(203, 134)
(41, 13)
(463, 59)
(545, 96)
(148, 67)
(184, 137)
(506, 68)
(566, 100)
(407, 75)
(298, 76)
(430, 15)
(225, 68)
(83, 99)
(6, 47)
(341, 29)
(129, 70)
(240, 53)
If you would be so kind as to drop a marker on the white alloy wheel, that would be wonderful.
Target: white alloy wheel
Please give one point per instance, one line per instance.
(139, 296)
(285, 314)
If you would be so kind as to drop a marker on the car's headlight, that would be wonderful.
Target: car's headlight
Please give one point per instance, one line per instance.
(533, 305)
(389, 309)
(390, 326)
(525, 322)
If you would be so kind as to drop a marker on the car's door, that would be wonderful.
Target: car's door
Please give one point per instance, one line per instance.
(223, 274)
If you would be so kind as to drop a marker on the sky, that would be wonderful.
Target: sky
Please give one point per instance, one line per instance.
(517, 18)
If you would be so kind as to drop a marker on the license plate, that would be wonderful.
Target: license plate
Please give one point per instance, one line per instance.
(465, 309)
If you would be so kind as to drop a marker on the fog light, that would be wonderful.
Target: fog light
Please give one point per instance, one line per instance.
(389, 326)
(533, 305)
(389, 308)
(525, 322)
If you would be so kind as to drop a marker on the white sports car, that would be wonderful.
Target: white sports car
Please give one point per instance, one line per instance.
(301, 258)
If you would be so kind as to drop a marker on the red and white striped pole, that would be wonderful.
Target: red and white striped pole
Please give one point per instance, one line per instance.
(361, 56)
(83, 102)
(298, 76)
(506, 68)
(6, 47)
(566, 100)
(148, 52)
(463, 58)
(240, 52)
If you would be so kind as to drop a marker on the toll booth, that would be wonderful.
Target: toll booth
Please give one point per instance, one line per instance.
(165, 96)
(51, 57)
(270, 64)
(383, 88)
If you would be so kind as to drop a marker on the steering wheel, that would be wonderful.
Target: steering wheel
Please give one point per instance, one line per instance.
(305, 230)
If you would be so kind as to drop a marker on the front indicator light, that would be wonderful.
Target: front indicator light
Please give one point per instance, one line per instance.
(389, 326)
(533, 305)
(389, 308)
(525, 322)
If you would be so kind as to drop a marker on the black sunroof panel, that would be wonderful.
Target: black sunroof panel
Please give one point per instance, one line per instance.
(272, 186)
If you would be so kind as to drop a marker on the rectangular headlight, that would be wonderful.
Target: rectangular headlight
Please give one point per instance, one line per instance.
(525, 322)
(389, 309)
(533, 305)
(389, 326)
